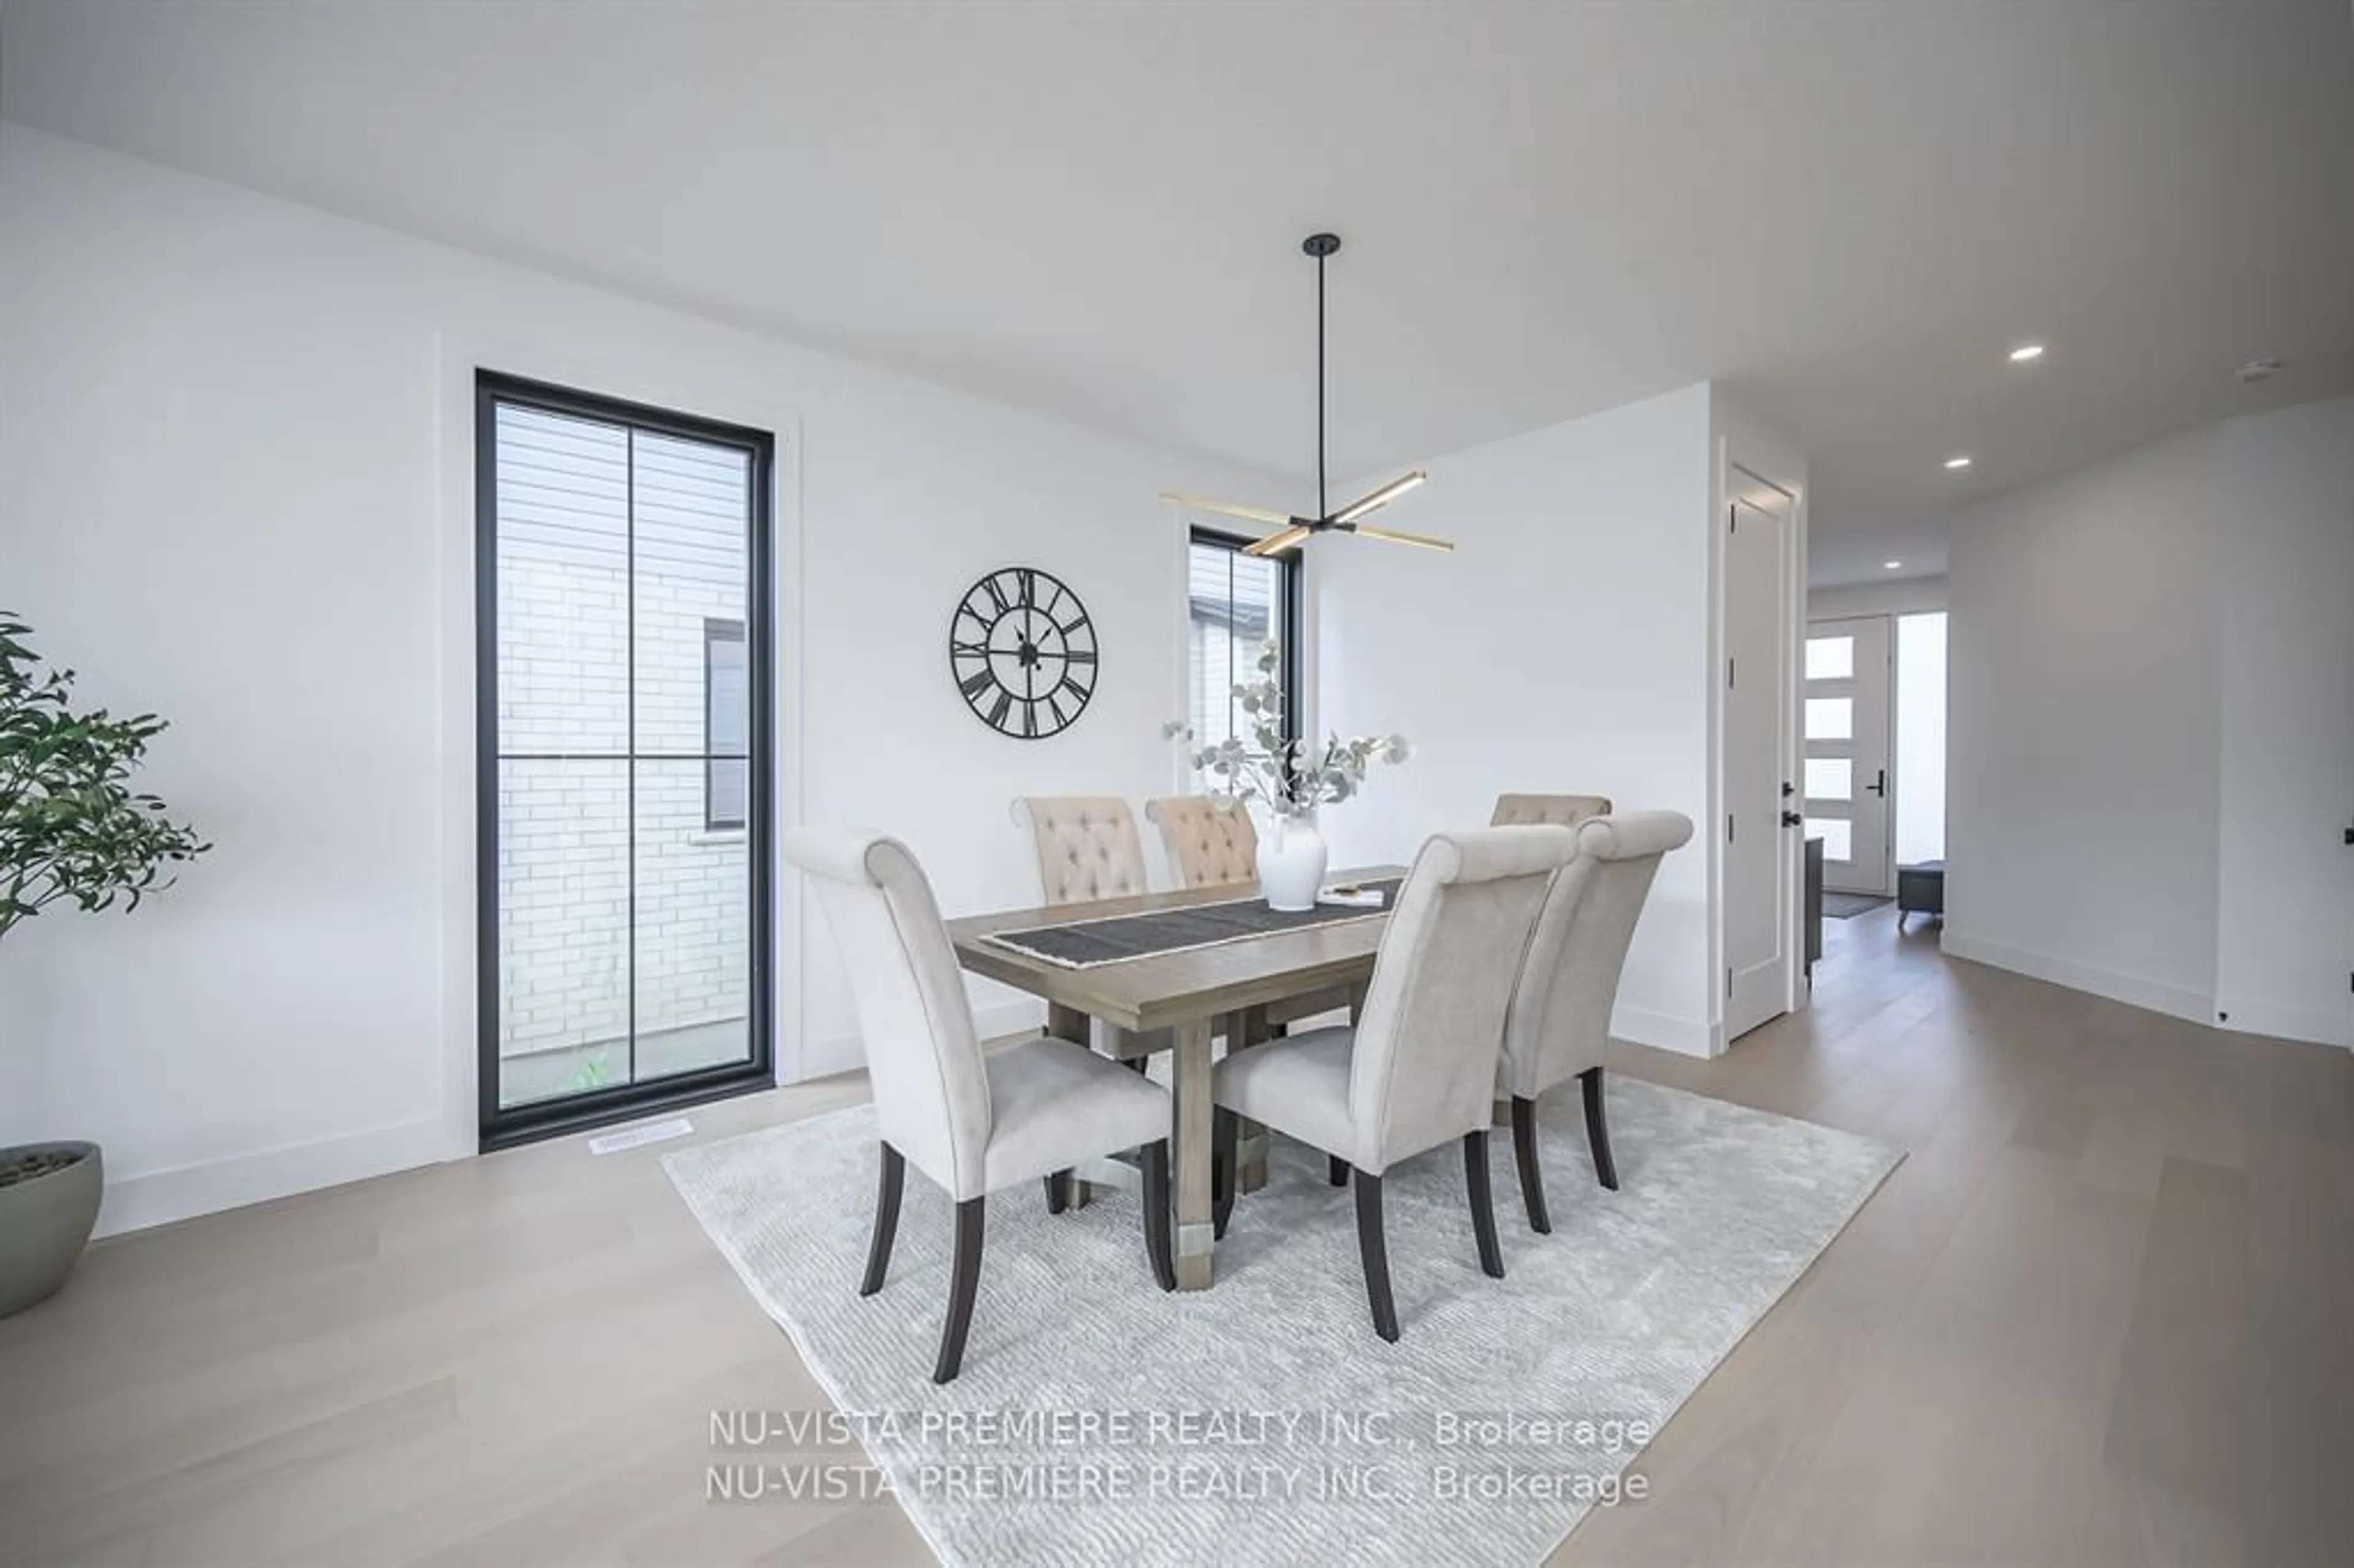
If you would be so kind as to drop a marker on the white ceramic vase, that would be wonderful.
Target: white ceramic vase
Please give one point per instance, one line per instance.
(1291, 863)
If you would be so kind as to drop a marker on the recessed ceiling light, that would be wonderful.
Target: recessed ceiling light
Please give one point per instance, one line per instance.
(1959, 460)
(2025, 352)
(1889, 565)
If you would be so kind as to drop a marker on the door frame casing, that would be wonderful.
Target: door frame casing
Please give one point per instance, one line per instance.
(1737, 480)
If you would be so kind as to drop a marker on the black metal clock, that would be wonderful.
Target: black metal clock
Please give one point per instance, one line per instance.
(1024, 652)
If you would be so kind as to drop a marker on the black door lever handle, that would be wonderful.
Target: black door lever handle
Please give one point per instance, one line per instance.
(1880, 786)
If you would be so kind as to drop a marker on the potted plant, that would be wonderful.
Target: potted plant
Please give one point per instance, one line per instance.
(1287, 779)
(70, 830)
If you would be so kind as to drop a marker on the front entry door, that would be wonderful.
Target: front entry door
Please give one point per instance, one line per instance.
(1847, 783)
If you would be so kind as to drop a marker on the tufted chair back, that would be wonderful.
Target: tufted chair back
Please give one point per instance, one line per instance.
(1422, 1066)
(1561, 810)
(1088, 847)
(1560, 1021)
(931, 1087)
(1211, 841)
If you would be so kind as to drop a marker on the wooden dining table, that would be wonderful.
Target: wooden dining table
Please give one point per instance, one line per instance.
(1192, 994)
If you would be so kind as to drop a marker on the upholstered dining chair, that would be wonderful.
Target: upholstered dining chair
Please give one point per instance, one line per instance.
(1209, 842)
(1088, 847)
(1566, 811)
(974, 1124)
(1559, 1025)
(1418, 1068)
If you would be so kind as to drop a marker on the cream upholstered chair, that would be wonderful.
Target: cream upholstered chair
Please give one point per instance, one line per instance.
(1558, 1026)
(1211, 842)
(1567, 810)
(1088, 847)
(973, 1124)
(1418, 1068)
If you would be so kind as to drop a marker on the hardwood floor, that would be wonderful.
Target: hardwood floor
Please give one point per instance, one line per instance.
(2104, 1313)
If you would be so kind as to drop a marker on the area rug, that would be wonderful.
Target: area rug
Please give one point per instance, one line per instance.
(1101, 1421)
(1846, 905)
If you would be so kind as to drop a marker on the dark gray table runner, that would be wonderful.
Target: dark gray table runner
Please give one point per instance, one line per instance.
(1084, 944)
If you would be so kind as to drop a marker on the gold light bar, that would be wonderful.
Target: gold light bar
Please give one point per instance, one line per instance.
(1379, 498)
(1228, 509)
(1423, 541)
(1275, 543)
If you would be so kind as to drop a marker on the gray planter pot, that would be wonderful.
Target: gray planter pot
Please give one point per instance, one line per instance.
(44, 1223)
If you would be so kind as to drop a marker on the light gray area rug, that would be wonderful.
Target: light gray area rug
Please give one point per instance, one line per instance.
(1101, 1421)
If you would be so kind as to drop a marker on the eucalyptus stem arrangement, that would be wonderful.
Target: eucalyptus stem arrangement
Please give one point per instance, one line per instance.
(1289, 778)
(70, 825)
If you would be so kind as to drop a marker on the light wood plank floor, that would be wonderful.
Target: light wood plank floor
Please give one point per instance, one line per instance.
(2103, 1314)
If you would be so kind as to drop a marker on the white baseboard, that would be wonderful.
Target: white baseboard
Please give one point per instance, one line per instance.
(2316, 1026)
(2134, 991)
(1685, 1036)
(160, 1197)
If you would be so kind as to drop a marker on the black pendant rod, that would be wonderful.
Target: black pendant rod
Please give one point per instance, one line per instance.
(1320, 246)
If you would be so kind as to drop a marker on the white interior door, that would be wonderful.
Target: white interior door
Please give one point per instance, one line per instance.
(1760, 903)
(1847, 785)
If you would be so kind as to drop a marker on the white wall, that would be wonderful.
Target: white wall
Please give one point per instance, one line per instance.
(2083, 780)
(2152, 725)
(1897, 596)
(2285, 926)
(1563, 647)
(235, 487)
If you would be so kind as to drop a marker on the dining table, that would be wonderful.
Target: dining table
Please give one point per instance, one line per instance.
(1177, 1002)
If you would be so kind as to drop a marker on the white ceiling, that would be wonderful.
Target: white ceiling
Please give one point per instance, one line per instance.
(1849, 211)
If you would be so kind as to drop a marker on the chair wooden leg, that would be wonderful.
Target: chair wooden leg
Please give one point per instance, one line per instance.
(1524, 1152)
(1483, 1202)
(1374, 1248)
(964, 1281)
(1156, 1215)
(1225, 1135)
(1058, 1191)
(1597, 1129)
(887, 1220)
(1336, 1170)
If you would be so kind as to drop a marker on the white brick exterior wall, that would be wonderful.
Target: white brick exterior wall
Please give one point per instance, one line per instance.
(565, 636)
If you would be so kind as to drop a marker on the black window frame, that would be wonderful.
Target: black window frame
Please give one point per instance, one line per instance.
(719, 628)
(1291, 568)
(499, 1127)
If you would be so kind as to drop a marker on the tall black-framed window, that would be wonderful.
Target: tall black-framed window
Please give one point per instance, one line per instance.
(1234, 604)
(623, 645)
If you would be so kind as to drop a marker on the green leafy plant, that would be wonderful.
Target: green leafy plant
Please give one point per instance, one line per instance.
(70, 825)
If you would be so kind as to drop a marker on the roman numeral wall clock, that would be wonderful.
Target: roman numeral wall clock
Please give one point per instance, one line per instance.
(1024, 652)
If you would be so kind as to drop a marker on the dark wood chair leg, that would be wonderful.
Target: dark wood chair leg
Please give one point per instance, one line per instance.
(1524, 1152)
(1375, 1249)
(1225, 1135)
(1058, 1191)
(887, 1220)
(963, 1282)
(1483, 1202)
(1597, 1129)
(1156, 1215)
(1336, 1170)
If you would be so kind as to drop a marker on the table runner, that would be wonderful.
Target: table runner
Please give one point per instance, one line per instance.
(1085, 944)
